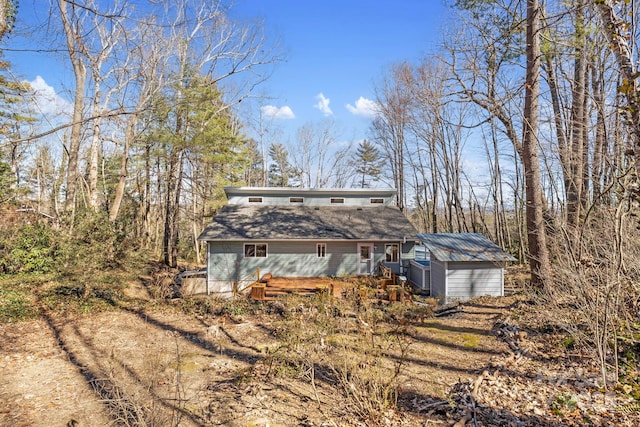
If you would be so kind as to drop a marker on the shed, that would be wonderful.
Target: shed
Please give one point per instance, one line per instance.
(462, 266)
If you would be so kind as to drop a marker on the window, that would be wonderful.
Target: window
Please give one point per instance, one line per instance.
(376, 201)
(255, 199)
(255, 250)
(391, 252)
(336, 200)
(296, 199)
(321, 250)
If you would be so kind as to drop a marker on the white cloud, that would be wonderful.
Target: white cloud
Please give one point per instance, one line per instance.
(323, 104)
(364, 107)
(273, 112)
(46, 100)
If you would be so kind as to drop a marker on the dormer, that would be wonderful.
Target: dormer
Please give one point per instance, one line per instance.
(286, 196)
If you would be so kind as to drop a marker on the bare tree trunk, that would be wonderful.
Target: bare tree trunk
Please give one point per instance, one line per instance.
(124, 161)
(172, 195)
(539, 260)
(578, 144)
(80, 74)
(598, 177)
(616, 31)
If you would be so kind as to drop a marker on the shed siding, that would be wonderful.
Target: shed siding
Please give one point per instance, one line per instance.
(438, 278)
(472, 279)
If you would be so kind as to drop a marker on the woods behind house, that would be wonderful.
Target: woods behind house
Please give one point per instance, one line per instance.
(524, 127)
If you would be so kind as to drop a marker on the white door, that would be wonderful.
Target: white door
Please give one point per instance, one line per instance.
(365, 258)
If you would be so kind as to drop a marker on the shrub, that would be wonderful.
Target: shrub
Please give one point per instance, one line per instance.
(15, 306)
(30, 249)
(93, 243)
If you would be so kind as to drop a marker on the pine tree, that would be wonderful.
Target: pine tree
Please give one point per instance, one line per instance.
(13, 117)
(281, 172)
(368, 161)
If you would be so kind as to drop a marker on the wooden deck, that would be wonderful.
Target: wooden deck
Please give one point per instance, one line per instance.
(305, 286)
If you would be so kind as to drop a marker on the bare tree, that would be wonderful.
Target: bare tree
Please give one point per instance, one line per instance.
(618, 32)
(390, 125)
(72, 24)
(536, 229)
(311, 156)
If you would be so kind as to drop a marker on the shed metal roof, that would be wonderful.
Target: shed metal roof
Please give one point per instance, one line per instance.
(463, 247)
(270, 222)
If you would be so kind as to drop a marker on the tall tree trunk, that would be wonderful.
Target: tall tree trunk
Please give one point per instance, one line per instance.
(80, 74)
(598, 177)
(616, 31)
(576, 151)
(124, 161)
(538, 252)
(171, 214)
(94, 150)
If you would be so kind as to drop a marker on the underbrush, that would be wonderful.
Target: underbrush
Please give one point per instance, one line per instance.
(24, 296)
(18, 299)
(352, 346)
(215, 307)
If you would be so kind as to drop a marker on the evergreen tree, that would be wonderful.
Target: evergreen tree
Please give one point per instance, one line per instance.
(281, 172)
(14, 116)
(368, 161)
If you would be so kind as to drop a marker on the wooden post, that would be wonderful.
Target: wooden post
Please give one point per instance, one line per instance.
(258, 291)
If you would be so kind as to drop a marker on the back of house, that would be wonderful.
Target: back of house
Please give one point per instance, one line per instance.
(293, 232)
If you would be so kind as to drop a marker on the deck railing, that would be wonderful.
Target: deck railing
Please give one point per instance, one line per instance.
(387, 272)
(246, 282)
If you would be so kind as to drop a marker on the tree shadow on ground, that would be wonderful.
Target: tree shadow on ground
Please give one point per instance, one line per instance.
(461, 329)
(110, 394)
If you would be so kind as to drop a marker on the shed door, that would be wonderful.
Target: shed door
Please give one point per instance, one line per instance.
(365, 258)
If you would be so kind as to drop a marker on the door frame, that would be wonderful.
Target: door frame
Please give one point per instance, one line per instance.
(370, 261)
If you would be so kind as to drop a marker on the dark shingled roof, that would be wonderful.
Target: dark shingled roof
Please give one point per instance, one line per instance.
(246, 222)
(463, 247)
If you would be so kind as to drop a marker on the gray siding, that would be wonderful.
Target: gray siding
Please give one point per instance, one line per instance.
(438, 278)
(310, 200)
(284, 259)
(472, 279)
(224, 259)
(420, 275)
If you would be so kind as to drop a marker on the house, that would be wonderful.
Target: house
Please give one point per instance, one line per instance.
(294, 232)
(459, 266)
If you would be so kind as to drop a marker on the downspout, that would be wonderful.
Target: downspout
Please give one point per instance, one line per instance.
(208, 265)
(401, 269)
(446, 281)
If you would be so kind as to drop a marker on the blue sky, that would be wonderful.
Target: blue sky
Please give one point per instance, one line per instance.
(335, 51)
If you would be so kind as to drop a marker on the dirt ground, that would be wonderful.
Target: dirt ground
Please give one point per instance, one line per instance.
(149, 364)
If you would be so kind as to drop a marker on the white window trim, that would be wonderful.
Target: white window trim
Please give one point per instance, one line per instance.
(244, 250)
(318, 250)
(386, 245)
